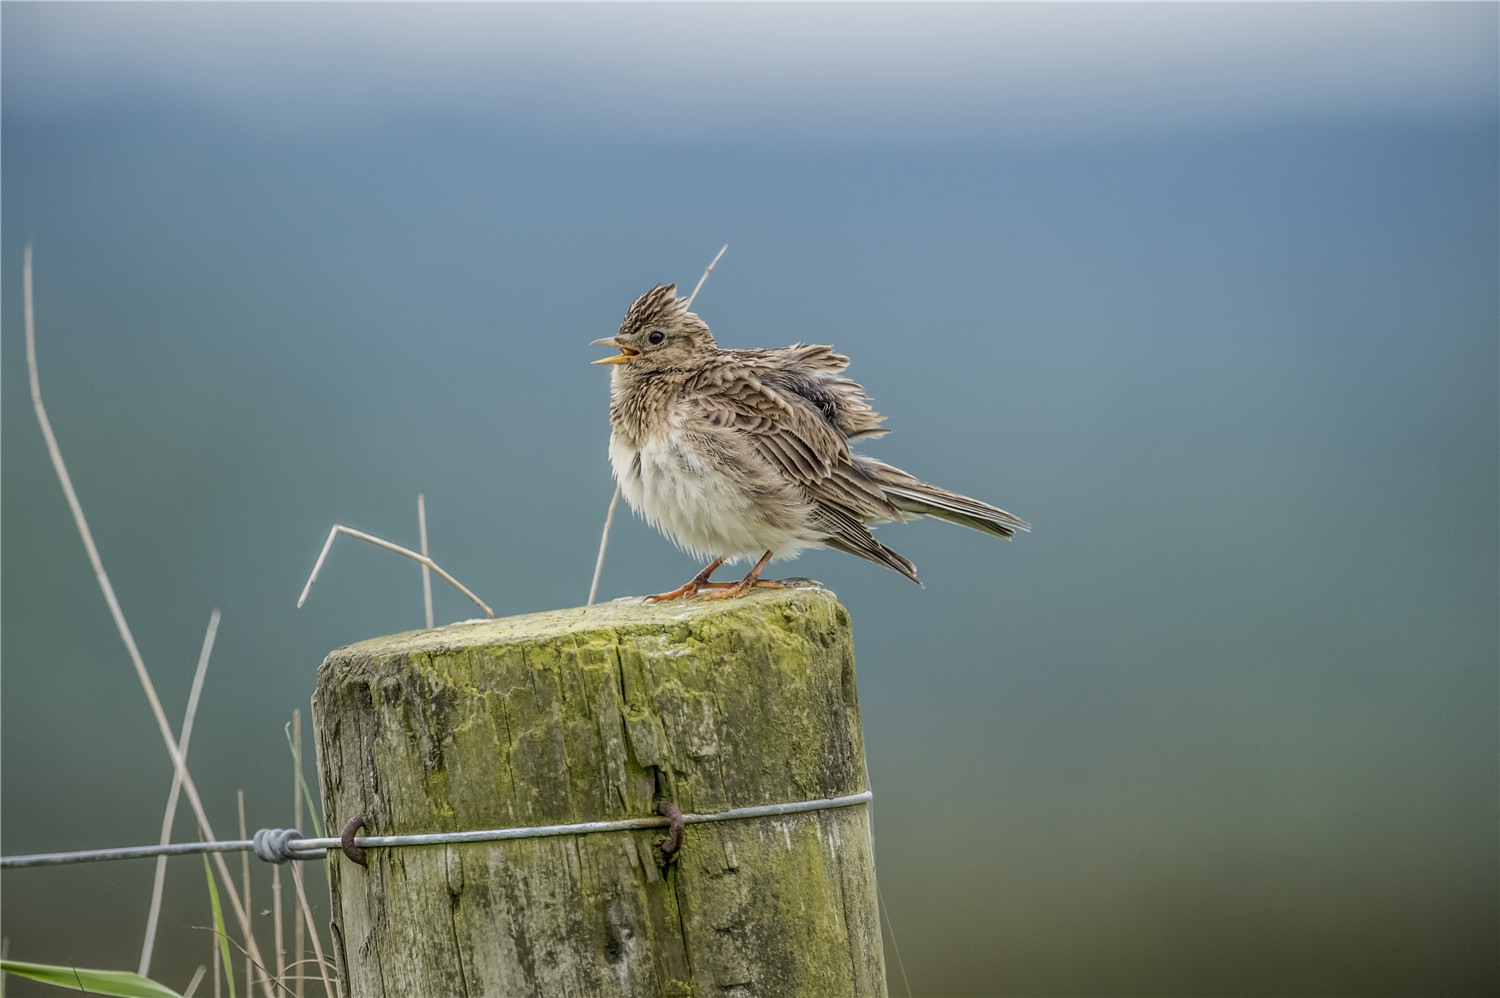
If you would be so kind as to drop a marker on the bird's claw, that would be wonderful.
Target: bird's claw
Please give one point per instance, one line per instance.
(735, 590)
(687, 591)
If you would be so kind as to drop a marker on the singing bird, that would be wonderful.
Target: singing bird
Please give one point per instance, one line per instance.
(732, 453)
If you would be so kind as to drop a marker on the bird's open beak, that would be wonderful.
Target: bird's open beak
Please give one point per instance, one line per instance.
(625, 355)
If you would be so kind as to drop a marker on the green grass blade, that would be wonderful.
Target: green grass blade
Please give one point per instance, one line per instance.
(312, 812)
(213, 898)
(122, 983)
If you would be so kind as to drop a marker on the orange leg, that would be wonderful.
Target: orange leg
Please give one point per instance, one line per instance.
(735, 590)
(690, 588)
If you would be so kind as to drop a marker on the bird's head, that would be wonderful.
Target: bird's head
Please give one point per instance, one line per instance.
(658, 332)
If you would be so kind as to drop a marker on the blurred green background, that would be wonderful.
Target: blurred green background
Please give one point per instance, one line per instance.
(1206, 293)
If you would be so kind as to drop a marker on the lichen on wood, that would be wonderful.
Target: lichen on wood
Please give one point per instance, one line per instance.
(593, 714)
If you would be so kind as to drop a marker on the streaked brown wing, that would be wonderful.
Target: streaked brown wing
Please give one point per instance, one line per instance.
(792, 435)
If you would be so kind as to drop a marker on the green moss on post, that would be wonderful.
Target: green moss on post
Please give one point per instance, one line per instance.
(590, 715)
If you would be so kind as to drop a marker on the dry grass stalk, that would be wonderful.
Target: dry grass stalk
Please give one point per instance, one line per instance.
(706, 271)
(276, 927)
(301, 941)
(193, 984)
(265, 974)
(426, 572)
(339, 528)
(206, 830)
(610, 516)
(312, 931)
(170, 816)
(298, 978)
(245, 880)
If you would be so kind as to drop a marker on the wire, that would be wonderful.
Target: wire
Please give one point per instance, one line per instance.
(277, 845)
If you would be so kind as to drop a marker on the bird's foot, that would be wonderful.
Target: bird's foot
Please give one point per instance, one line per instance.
(685, 591)
(688, 590)
(691, 588)
(734, 590)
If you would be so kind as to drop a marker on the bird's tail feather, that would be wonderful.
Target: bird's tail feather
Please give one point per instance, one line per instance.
(912, 495)
(877, 552)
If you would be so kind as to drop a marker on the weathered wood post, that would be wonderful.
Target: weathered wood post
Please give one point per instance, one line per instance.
(594, 714)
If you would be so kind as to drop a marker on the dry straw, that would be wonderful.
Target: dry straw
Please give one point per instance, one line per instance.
(170, 816)
(241, 913)
(339, 528)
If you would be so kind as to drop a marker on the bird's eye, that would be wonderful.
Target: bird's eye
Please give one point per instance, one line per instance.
(657, 336)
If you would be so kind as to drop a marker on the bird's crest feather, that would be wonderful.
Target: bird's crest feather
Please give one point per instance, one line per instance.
(656, 306)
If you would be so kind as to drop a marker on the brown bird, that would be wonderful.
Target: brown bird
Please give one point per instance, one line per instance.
(731, 453)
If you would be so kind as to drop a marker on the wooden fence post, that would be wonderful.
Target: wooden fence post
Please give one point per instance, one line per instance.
(594, 714)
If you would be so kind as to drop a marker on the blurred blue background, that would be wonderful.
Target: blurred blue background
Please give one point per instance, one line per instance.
(1206, 293)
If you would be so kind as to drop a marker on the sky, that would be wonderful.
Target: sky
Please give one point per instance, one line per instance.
(1206, 293)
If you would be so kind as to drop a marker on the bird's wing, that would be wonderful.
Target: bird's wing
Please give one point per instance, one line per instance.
(783, 427)
(791, 434)
(812, 371)
(813, 356)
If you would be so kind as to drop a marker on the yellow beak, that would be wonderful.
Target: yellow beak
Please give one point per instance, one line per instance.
(626, 354)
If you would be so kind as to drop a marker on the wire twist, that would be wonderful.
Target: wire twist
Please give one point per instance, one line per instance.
(272, 844)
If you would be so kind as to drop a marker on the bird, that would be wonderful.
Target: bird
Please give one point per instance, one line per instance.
(734, 454)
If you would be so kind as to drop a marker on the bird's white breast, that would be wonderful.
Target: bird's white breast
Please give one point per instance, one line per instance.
(694, 503)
